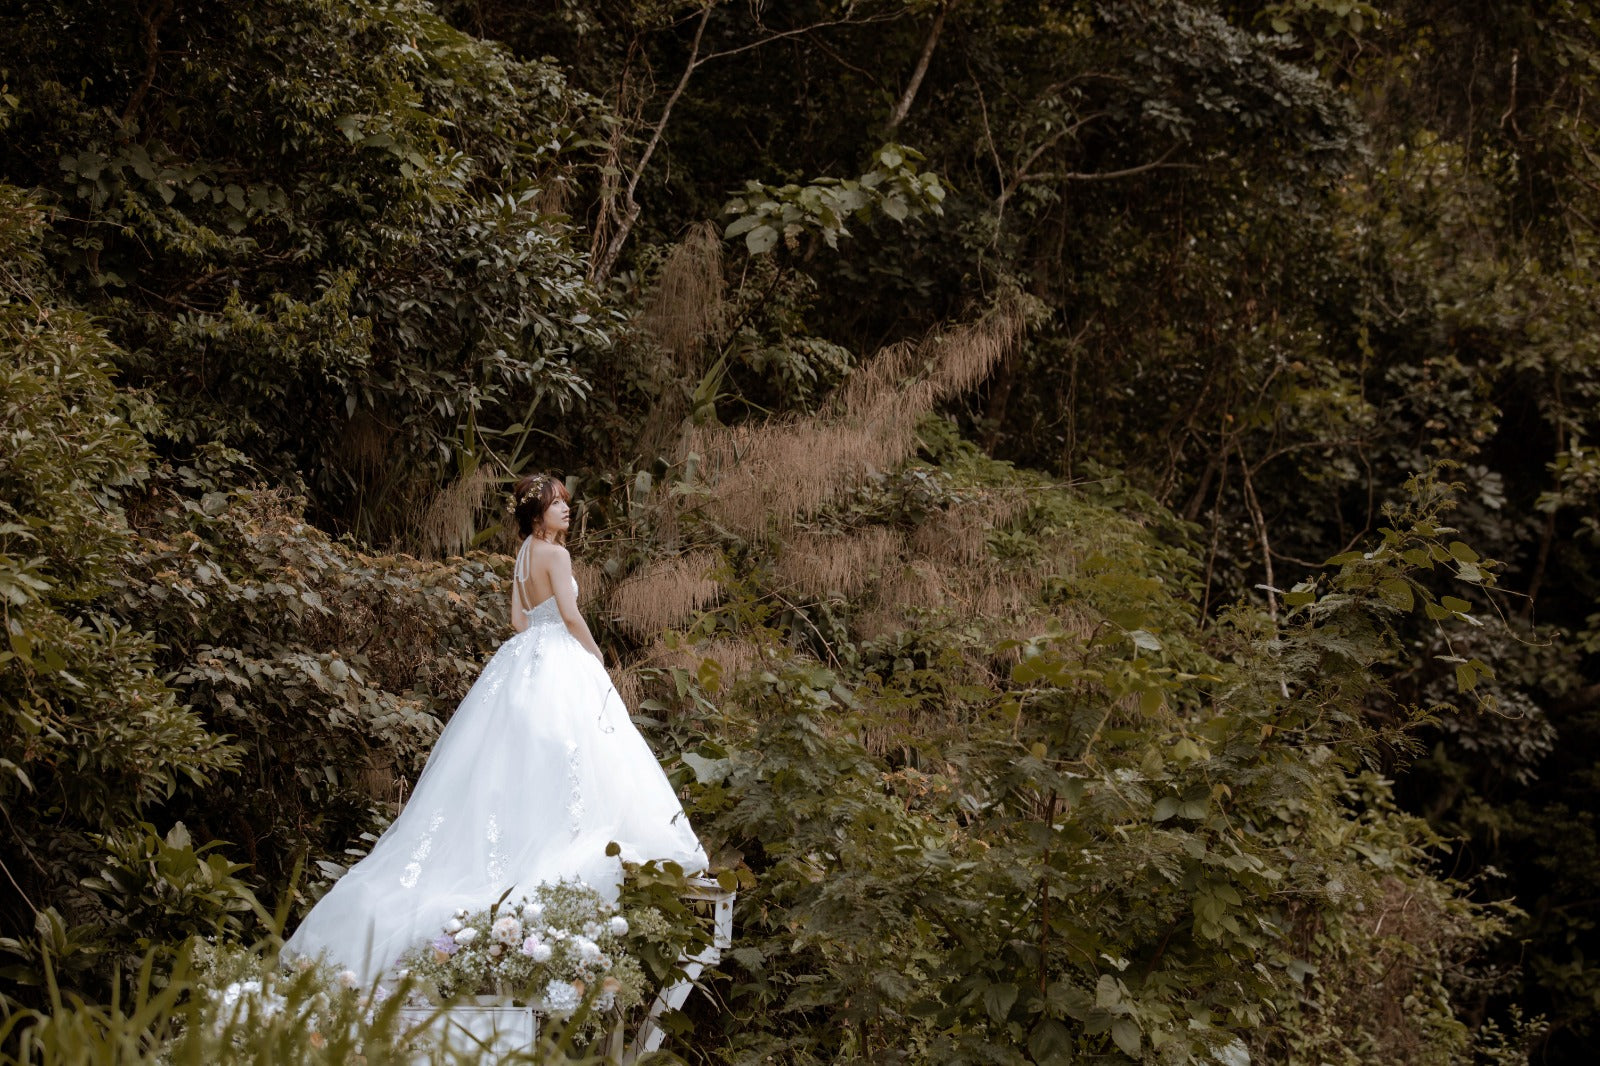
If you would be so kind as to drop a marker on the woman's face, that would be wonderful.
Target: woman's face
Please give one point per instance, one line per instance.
(557, 516)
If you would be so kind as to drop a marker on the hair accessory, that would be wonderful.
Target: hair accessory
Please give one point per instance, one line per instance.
(535, 487)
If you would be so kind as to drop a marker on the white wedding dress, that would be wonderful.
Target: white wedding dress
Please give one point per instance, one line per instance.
(537, 772)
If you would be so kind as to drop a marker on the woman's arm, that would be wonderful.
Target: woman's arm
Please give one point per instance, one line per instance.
(567, 601)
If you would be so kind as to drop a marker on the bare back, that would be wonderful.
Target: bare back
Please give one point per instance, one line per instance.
(544, 572)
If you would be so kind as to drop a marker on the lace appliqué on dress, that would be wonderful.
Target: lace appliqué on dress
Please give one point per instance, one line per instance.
(495, 869)
(574, 791)
(419, 854)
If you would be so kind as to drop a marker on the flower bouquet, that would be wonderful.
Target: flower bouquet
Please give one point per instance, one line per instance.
(553, 948)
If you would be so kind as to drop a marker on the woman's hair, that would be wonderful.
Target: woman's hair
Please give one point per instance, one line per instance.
(531, 496)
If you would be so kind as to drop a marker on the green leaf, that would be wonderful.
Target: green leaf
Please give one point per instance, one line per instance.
(1125, 1031)
(1396, 592)
(998, 1000)
(707, 771)
(1145, 640)
(1050, 1044)
(761, 239)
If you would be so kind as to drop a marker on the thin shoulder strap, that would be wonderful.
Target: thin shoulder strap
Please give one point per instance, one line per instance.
(524, 569)
(519, 576)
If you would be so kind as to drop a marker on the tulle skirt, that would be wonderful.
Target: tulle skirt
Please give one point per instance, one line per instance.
(536, 773)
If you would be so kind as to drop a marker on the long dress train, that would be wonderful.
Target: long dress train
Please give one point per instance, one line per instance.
(537, 772)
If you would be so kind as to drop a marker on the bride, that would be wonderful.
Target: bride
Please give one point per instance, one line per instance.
(537, 772)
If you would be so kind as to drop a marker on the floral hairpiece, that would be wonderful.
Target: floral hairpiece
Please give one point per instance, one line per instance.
(535, 487)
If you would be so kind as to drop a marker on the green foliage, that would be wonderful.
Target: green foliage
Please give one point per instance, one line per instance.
(91, 736)
(1149, 841)
(893, 188)
(311, 211)
(1289, 254)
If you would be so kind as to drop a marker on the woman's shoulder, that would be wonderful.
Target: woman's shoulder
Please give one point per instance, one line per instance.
(543, 549)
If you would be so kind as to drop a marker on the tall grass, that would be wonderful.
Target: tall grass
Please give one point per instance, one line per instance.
(274, 1016)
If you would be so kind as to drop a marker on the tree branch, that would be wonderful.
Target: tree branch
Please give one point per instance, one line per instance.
(1112, 175)
(797, 32)
(903, 108)
(602, 270)
(152, 47)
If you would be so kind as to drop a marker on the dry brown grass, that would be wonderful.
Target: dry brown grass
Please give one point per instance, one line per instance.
(451, 518)
(977, 591)
(629, 686)
(666, 592)
(837, 564)
(591, 580)
(553, 196)
(734, 658)
(958, 536)
(365, 442)
(380, 780)
(780, 471)
(687, 305)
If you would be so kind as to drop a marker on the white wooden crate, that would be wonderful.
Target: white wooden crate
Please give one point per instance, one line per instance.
(489, 1030)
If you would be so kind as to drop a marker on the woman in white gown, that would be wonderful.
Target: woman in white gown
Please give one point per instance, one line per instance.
(538, 771)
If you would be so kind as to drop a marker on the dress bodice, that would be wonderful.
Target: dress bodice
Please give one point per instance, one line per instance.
(547, 613)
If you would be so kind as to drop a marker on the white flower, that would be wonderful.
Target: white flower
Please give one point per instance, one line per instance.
(454, 925)
(348, 978)
(540, 953)
(495, 950)
(266, 1004)
(461, 912)
(466, 936)
(507, 930)
(561, 997)
(533, 911)
(239, 989)
(591, 930)
(619, 926)
(588, 950)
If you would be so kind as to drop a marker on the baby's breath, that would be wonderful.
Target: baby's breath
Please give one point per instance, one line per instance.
(552, 946)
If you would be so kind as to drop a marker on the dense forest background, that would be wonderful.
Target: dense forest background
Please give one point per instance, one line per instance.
(1091, 501)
